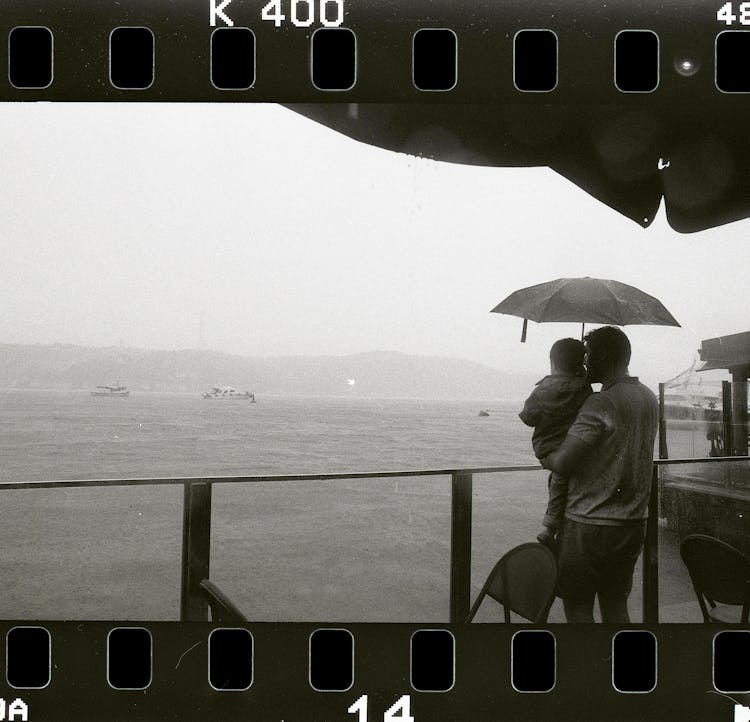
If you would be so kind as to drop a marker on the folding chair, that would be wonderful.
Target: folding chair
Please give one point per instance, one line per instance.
(523, 581)
(222, 608)
(720, 573)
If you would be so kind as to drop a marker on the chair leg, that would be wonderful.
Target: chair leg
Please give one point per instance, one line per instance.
(475, 607)
(702, 603)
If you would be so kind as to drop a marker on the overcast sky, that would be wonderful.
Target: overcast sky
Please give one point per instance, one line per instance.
(252, 230)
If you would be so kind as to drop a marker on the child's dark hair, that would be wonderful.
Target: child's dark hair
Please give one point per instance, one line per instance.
(567, 354)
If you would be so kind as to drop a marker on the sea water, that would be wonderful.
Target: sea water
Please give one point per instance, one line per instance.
(349, 550)
(72, 435)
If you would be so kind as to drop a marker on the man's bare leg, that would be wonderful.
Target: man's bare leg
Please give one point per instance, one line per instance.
(614, 609)
(579, 610)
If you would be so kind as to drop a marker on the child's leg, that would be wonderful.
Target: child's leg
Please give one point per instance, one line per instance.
(558, 496)
(553, 517)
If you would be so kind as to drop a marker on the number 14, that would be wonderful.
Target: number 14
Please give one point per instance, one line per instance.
(398, 712)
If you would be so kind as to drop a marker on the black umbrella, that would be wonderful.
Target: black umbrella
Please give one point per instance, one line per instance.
(585, 300)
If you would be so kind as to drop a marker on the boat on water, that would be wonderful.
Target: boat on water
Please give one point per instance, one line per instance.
(229, 392)
(116, 390)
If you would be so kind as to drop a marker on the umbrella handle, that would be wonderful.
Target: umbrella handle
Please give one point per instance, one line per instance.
(523, 332)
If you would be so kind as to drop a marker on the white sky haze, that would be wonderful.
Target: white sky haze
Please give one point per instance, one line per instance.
(252, 230)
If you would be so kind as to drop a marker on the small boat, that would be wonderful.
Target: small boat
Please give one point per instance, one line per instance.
(116, 390)
(229, 392)
(484, 412)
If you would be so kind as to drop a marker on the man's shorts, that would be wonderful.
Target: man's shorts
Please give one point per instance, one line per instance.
(598, 559)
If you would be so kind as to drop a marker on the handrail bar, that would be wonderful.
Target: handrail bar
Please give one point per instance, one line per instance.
(196, 524)
(342, 475)
(708, 459)
(155, 481)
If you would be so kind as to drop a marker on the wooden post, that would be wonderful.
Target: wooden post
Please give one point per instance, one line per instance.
(726, 417)
(663, 451)
(196, 550)
(651, 555)
(739, 410)
(460, 585)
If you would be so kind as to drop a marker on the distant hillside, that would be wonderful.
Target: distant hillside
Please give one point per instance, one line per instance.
(375, 374)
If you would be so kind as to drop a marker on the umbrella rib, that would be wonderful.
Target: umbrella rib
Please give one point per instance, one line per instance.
(549, 300)
(611, 293)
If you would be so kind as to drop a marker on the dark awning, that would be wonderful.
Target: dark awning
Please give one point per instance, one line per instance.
(628, 157)
(725, 352)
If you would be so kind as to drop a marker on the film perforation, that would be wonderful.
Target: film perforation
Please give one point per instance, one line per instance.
(28, 655)
(729, 674)
(731, 47)
(535, 59)
(230, 659)
(131, 58)
(332, 660)
(637, 61)
(433, 660)
(233, 58)
(435, 59)
(634, 661)
(533, 661)
(333, 59)
(30, 57)
(129, 658)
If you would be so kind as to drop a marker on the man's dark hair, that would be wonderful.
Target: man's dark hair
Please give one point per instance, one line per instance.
(567, 354)
(610, 342)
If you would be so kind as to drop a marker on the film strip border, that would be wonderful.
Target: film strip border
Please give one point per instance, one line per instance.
(360, 672)
(358, 51)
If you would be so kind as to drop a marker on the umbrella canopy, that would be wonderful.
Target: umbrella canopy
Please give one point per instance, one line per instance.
(586, 300)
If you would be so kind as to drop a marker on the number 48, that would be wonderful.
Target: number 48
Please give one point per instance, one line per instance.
(725, 14)
(398, 712)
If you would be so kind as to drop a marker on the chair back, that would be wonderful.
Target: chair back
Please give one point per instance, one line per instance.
(223, 610)
(719, 572)
(523, 581)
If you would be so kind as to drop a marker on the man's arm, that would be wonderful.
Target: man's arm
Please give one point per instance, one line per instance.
(568, 457)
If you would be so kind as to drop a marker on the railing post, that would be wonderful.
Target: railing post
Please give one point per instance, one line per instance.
(651, 554)
(460, 587)
(196, 550)
(739, 411)
(726, 418)
(663, 451)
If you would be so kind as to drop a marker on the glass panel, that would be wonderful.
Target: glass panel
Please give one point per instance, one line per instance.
(693, 421)
(356, 550)
(91, 553)
(710, 498)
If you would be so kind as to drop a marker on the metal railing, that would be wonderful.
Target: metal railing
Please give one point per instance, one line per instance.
(196, 525)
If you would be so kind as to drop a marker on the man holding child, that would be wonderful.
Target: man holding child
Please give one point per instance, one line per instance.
(606, 459)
